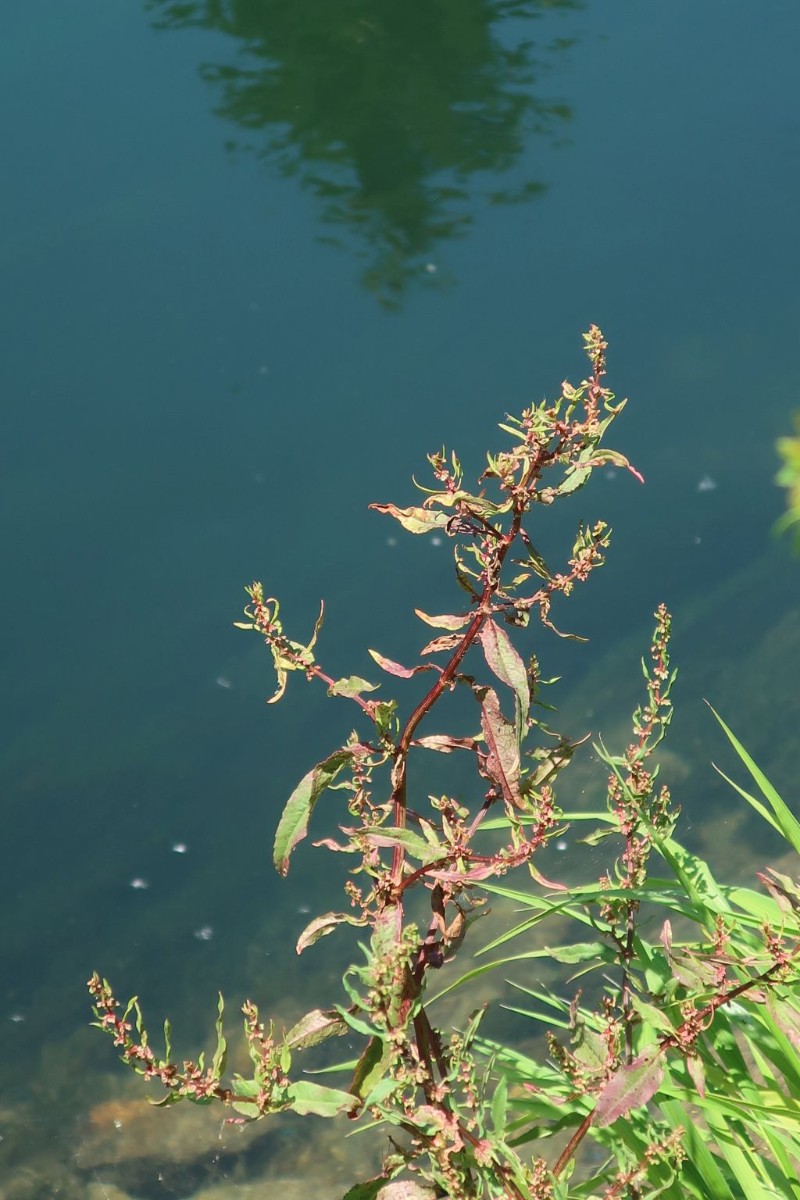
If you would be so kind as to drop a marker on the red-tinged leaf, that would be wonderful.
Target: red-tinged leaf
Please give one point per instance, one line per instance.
(315, 1027)
(321, 926)
(784, 891)
(551, 885)
(332, 844)
(293, 825)
(474, 874)
(394, 668)
(443, 743)
(690, 970)
(352, 686)
(415, 520)
(632, 1086)
(449, 641)
(444, 622)
(502, 760)
(504, 661)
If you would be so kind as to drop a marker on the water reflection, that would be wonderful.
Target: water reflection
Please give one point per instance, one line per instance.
(397, 118)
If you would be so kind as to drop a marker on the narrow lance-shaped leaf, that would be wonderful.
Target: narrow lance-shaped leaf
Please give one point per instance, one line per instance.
(504, 661)
(502, 760)
(448, 641)
(321, 926)
(786, 820)
(446, 621)
(221, 1051)
(444, 743)
(293, 825)
(370, 1068)
(415, 520)
(395, 668)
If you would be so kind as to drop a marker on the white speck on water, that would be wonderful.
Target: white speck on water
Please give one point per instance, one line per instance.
(707, 484)
(117, 1123)
(223, 682)
(697, 540)
(139, 884)
(562, 844)
(431, 268)
(436, 540)
(610, 473)
(180, 848)
(16, 1018)
(304, 910)
(391, 541)
(205, 934)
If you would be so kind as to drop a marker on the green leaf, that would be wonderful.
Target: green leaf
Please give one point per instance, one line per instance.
(367, 1190)
(307, 1098)
(579, 952)
(244, 1089)
(390, 835)
(352, 686)
(221, 1051)
(415, 520)
(699, 1155)
(293, 825)
(371, 1067)
(504, 661)
(500, 1106)
(402, 1189)
(788, 824)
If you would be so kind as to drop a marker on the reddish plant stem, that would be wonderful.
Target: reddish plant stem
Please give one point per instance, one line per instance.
(491, 586)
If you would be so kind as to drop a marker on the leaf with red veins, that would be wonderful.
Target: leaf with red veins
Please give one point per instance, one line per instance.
(448, 642)
(394, 668)
(504, 661)
(321, 926)
(630, 1087)
(415, 520)
(502, 764)
(446, 621)
(444, 743)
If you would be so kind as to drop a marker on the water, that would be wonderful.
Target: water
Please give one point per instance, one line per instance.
(257, 261)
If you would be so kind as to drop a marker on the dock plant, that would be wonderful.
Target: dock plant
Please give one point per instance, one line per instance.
(668, 1060)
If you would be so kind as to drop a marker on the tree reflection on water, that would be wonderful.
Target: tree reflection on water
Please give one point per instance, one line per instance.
(397, 117)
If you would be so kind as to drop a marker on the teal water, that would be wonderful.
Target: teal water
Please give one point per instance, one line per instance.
(257, 260)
